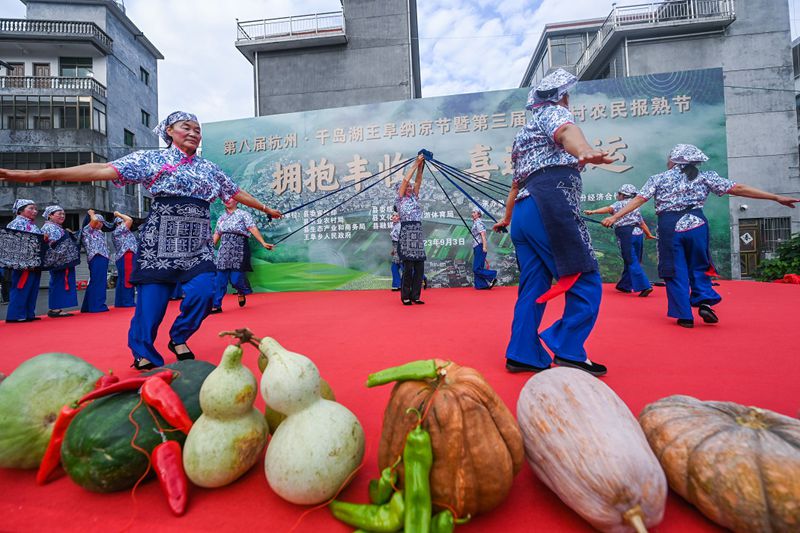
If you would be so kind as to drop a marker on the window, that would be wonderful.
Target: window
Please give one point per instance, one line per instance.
(146, 203)
(16, 72)
(99, 116)
(144, 76)
(130, 189)
(566, 50)
(26, 112)
(75, 67)
(130, 138)
(775, 231)
(796, 60)
(145, 119)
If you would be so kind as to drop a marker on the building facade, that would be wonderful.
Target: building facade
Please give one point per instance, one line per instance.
(81, 87)
(750, 41)
(366, 53)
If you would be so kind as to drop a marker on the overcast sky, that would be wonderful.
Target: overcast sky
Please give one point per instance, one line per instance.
(465, 45)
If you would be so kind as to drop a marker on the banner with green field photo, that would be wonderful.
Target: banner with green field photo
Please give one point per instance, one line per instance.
(348, 160)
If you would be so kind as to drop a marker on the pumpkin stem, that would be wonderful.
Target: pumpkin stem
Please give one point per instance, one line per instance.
(633, 516)
(753, 419)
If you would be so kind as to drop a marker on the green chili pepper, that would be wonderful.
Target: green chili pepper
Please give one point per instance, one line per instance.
(414, 370)
(417, 460)
(381, 518)
(445, 522)
(381, 489)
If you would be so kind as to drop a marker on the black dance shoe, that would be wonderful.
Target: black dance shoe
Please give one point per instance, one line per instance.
(515, 367)
(181, 356)
(645, 293)
(707, 314)
(242, 300)
(595, 369)
(215, 310)
(418, 302)
(686, 323)
(140, 366)
(406, 302)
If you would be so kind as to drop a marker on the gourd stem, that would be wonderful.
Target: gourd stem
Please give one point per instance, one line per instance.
(243, 334)
(633, 516)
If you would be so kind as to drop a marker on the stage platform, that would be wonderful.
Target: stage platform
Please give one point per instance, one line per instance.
(750, 357)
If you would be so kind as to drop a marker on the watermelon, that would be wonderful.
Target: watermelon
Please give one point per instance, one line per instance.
(30, 399)
(98, 453)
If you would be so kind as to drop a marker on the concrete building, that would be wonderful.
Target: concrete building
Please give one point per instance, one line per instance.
(366, 53)
(82, 88)
(750, 41)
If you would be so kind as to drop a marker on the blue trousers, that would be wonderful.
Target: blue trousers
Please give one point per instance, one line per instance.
(633, 277)
(566, 336)
(22, 302)
(62, 289)
(177, 292)
(482, 276)
(151, 304)
(94, 300)
(690, 286)
(397, 273)
(235, 278)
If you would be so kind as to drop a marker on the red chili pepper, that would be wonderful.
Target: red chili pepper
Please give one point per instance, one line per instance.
(105, 380)
(159, 395)
(52, 455)
(125, 385)
(168, 465)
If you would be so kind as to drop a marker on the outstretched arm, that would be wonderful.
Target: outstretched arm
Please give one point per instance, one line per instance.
(602, 211)
(637, 201)
(260, 239)
(751, 192)
(571, 138)
(125, 218)
(244, 197)
(417, 166)
(87, 172)
(646, 230)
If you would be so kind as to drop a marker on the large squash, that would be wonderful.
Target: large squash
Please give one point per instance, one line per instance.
(739, 465)
(477, 445)
(583, 442)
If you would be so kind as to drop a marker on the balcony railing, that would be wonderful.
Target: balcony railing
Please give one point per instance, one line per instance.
(56, 29)
(301, 27)
(667, 13)
(34, 82)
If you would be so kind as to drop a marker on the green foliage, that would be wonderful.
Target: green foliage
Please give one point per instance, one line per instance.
(787, 262)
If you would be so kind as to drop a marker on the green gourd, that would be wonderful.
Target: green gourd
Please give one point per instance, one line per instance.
(314, 451)
(227, 439)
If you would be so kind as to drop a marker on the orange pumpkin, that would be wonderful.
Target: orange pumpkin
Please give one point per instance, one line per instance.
(739, 465)
(583, 442)
(477, 445)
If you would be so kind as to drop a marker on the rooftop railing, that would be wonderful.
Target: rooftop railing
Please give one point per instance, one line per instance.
(56, 28)
(654, 14)
(300, 27)
(49, 83)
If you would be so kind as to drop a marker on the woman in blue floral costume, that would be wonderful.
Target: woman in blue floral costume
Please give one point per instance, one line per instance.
(411, 241)
(684, 258)
(24, 281)
(93, 240)
(550, 237)
(63, 255)
(631, 231)
(233, 230)
(175, 241)
(125, 249)
(484, 278)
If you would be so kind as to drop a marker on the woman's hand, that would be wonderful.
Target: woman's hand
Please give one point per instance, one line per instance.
(649, 236)
(267, 245)
(500, 226)
(588, 212)
(485, 250)
(274, 213)
(609, 221)
(787, 200)
(595, 157)
(18, 175)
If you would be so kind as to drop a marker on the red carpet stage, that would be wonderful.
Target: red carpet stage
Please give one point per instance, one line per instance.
(750, 357)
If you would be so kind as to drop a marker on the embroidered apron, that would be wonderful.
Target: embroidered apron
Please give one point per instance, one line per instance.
(174, 241)
(21, 250)
(63, 253)
(234, 253)
(557, 192)
(411, 245)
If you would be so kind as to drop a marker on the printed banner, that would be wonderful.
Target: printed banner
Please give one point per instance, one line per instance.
(342, 241)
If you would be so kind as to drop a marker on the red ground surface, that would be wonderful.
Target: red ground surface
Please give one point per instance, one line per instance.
(750, 357)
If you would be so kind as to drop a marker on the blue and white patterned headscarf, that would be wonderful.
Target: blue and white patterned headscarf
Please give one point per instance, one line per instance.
(687, 154)
(627, 190)
(50, 210)
(172, 118)
(21, 203)
(551, 89)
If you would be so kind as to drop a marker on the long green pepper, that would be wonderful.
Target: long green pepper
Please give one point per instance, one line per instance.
(445, 522)
(386, 518)
(418, 459)
(415, 370)
(381, 489)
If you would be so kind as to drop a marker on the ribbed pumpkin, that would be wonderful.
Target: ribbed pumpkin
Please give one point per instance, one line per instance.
(477, 445)
(739, 465)
(583, 442)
